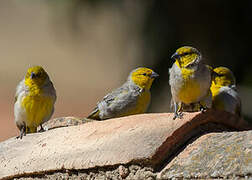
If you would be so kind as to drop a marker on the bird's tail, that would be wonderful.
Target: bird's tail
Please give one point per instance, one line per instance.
(94, 114)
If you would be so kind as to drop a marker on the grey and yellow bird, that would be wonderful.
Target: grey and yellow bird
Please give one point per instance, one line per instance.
(224, 93)
(133, 97)
(34, 100)
(190, 81)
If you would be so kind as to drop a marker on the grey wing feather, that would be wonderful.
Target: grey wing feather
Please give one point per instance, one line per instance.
(20, 87)
(118, 101)
(106, 99)
(50, 91)
(231, 99)
(18, 113)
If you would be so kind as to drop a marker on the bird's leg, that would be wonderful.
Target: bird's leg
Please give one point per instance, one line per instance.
(177, 111)
(22, 132)
(202, 108)
(41, 128)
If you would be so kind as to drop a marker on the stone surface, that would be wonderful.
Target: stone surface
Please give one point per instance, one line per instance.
(135, 172)
(215, 155)
(123, 171)
(147, 140)
(64, 122)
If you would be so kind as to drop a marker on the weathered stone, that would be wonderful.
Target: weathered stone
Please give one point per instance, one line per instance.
(147, 140)
(215, 155)
(124, 172)
(137, 173)
(64, 122)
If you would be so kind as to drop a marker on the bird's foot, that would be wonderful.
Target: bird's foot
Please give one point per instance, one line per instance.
(41, 129)
(22, 133)
(178, 115)
(19, 137)
(203, 109)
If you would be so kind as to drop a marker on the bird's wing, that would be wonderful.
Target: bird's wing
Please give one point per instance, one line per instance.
(110, 100)
(20, 88)
(231, 99)
(50, 91)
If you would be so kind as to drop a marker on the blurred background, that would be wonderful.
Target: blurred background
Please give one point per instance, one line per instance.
(89, 47)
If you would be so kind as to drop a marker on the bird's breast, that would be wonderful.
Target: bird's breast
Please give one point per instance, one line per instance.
(190, 91)
(141, 105)
(143, 101)
(37, 107)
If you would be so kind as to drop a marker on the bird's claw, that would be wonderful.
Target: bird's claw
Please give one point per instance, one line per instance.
(41, 129)
(178, 115)
(203, 109)
(22, 133)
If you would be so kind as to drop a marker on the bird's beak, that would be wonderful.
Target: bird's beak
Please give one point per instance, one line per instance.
(154, 75)
(32, 75)
(175, 56)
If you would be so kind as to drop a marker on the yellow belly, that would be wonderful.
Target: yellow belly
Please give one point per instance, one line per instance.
(37, 108)
(217, 101)
(190, 92)
(142, 104)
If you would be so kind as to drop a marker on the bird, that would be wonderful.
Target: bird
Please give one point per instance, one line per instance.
(224, 92)
(205, 102)
(190, 81)
(133, 97)
(34, 100)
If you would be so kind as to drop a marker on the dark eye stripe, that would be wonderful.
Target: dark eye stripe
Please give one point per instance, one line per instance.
(190, 65)
(186, 53)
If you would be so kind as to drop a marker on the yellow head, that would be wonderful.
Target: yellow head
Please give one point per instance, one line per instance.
(143, 77)
(186, 57)
(223, 76)
(36, 75)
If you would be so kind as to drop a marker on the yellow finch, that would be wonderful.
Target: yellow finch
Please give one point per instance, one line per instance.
(133, 97)
(224, 93)
(190, 80)
(34, 100)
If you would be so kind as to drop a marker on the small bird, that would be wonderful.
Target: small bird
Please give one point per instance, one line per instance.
(205, 102)
(190, 81)
(133, 97)
(224, 93)
(34, 101)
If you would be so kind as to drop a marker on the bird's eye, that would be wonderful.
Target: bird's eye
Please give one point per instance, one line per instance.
(186, 54)
(220, 75)
(190, 65)
(144, 74)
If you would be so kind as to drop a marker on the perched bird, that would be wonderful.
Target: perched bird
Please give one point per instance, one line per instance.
(34, 100)
(133, 97)
(224, 92)
(190, 81)
(205, 102)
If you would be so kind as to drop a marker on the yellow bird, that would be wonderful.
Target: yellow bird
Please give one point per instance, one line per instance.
(224, 93)
(133, 97)
(190, 81)
(34, 100)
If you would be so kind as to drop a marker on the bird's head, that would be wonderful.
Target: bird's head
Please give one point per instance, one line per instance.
(223, 76)
(143, 77)
(36, 75)
(187, 57)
